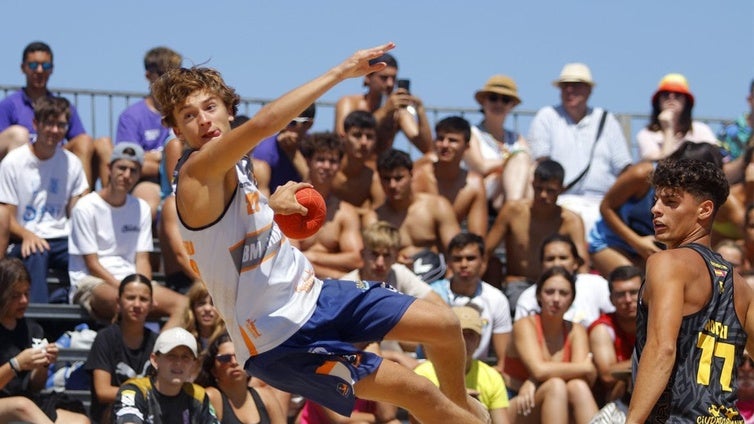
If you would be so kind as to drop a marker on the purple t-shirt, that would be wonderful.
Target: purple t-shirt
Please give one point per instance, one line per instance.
(281, 167)
(17, 109)
(141, 125)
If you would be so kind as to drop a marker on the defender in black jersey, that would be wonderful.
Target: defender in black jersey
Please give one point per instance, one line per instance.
(694, 311)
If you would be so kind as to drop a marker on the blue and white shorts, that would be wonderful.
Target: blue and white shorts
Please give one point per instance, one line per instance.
(320, 361)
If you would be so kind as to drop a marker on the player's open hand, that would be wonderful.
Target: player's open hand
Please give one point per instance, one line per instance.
(358, 64)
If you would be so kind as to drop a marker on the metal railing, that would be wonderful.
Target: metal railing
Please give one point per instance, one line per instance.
(99, 111)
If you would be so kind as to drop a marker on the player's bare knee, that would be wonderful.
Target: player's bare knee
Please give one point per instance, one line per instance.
(446, 324)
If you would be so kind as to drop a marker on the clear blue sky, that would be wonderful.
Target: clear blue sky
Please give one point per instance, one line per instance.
(447, 48)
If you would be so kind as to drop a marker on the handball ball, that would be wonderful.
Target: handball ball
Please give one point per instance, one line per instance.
(297, 226)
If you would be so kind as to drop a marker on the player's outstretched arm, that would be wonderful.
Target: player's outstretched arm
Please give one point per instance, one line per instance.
(276, 115)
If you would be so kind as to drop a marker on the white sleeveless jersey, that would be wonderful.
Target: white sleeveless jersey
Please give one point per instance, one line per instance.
(263, 286)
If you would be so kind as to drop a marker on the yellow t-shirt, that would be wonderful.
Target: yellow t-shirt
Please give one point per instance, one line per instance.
(481, 377)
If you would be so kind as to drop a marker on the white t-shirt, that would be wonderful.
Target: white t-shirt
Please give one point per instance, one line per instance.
(401, 278)
(650, 142)
(553, 134)
(495, 310)
(592, 299)
(41, 189)
(115, 234)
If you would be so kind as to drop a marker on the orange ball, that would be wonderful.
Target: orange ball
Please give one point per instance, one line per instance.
(297, 226)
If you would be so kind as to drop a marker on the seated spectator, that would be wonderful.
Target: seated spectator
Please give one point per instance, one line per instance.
(466, 260)
(522, 225)
(121, 350)
(612, 336)
(364, 411)
(426, 221)
(624, 234)
(587, 141)
(279, 157)
(592, 297)
(201, 318)
(482, 381)
(441, 173)
(356, 182)
(111, 237)
(734, 137)
(499, 154)
(37, 206)
(381, 244)
(230, 391)
(336, 248)
(141, 123)
(393, 109)
(17, 113)
(745, 380)
(670, 123)
(733, 252)
(168, 393)
(26, 352)
(549, 365)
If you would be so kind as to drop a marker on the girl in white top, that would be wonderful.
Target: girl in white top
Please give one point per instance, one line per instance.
(500, 155)
(671, 123)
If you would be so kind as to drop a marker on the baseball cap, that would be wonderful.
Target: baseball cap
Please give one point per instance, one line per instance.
(469, 317)
(128, 150)
(574, 72)
(172, 338)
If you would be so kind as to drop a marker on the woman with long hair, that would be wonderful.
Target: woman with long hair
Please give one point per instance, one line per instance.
(121, 350)
(26, 356)
(548, 363)
(671, 123)
(201, 318)
(235, 401)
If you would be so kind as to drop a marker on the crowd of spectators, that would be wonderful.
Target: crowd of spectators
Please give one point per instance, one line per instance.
(537, 241)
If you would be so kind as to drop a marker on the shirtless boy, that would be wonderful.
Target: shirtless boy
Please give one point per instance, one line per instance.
(445, 176)
(524, 224)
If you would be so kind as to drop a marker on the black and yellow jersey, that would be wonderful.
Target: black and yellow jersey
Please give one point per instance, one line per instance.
(139, 402)
(702, 387)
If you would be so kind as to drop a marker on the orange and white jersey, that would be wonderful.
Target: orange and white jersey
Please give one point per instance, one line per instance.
(263, 286)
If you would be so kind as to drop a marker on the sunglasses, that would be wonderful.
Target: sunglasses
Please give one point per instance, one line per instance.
(62, 126)
(668, 94)
(300, 121)
(226, 358)
(46, 66)
(498, 97)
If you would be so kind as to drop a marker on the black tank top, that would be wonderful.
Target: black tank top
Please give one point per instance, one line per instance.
(229, 417)
(703, 383)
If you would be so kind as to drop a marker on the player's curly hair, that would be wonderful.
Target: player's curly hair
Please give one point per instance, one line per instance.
(703, 180)
(172, 89)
